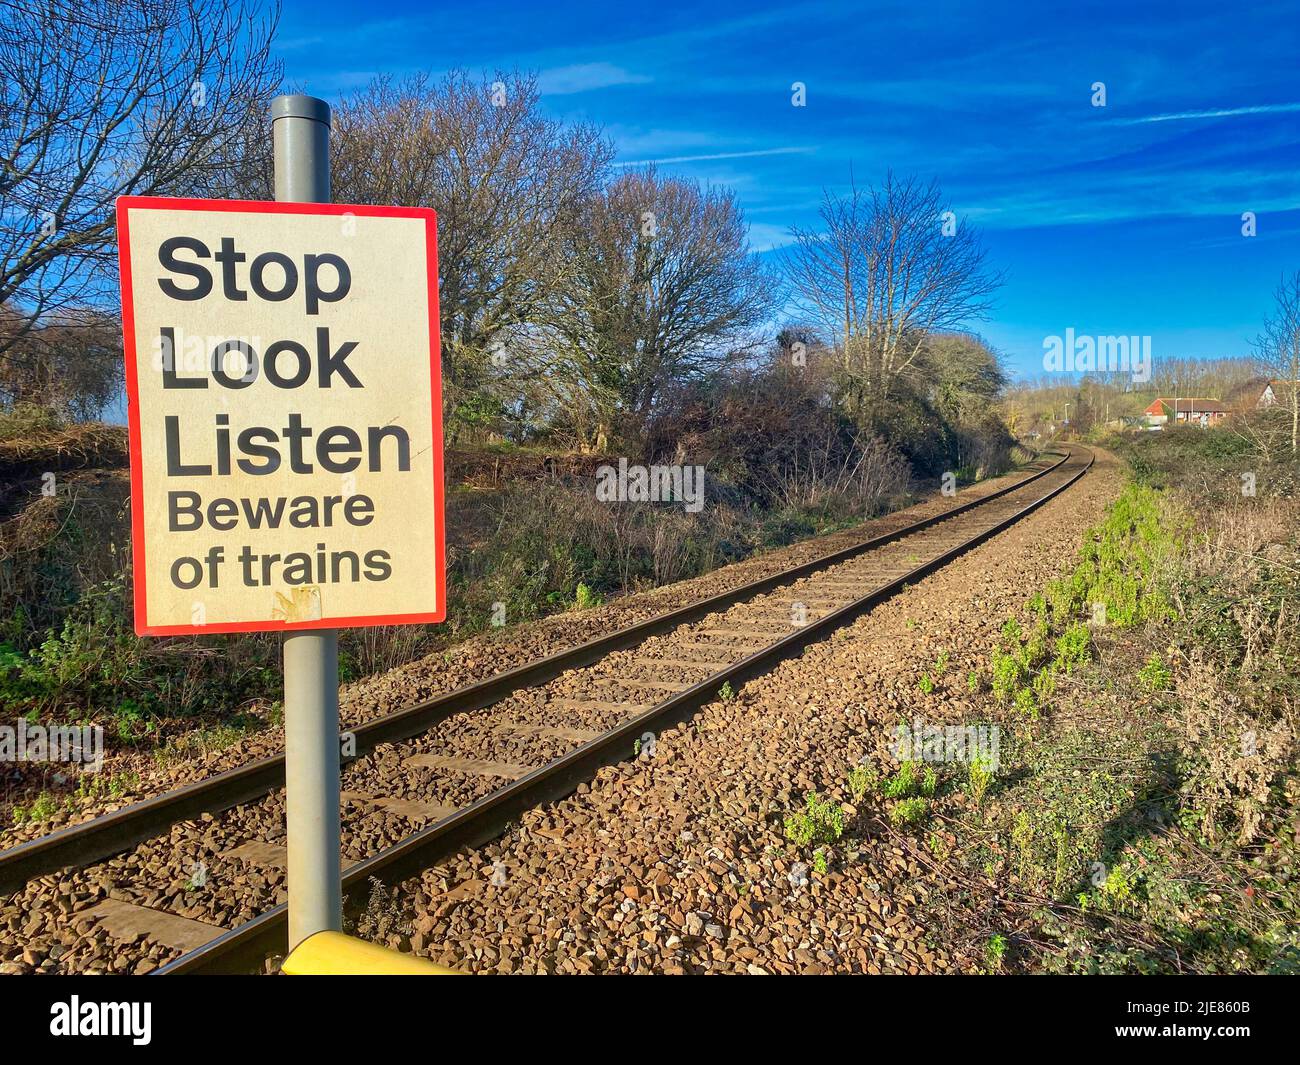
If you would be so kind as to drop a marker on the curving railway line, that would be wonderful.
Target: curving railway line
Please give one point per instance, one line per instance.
(194, 877)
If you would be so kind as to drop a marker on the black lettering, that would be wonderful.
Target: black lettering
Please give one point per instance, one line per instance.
(264, 512)
(267, 562)
(223, 445)
(246, 558)
(337, 557)
(228, 257)
(331, 364)
(326, 449)
(181, 505)
(297, 568)
(376, 436)
(296, 433)
(175, 468)
(286, 289)
(359, 507)
(223, 514)
(266, 451)
(194, 565)
(167, 336)
(315, 295)
(167, 256)
(303, 515)
(249, 374)
(377, 567)
(272, 369)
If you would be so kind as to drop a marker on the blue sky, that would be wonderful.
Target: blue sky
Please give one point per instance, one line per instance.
(1124, 219)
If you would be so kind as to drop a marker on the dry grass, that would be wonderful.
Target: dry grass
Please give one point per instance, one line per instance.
(1236, 691)
(1238, 751)
(31, 449)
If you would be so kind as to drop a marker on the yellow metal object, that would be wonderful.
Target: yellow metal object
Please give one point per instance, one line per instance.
(334, 954)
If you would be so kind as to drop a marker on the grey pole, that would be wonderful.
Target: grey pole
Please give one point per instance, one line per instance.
(300, 130)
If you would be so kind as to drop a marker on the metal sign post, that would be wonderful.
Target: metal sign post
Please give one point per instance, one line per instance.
(301, 130)
(284, 411)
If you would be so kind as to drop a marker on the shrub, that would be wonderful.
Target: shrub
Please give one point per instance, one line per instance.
(1233, 756)
(1155, 675)
(907, 783)
(980, 775)
(1008, 671)
(909, 811)
(93, 662)
(1044, 686)
(995, 950)
(819, 822)
(1073, 648)
(862, 781)
(585, 598)
(902, 783)
(1026, 703)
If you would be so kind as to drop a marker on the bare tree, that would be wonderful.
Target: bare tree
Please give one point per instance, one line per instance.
(1201, 378)
(659, 286)
(888, 266)
(505, 182)
(1279, 350)
(104, 98)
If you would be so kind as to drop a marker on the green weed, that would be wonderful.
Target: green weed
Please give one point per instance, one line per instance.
(980, 775)
(1073, 648)
(995, 951)
(819, 822)
(862, 781)
(909, 811)
(1155, 675)
(585, 598)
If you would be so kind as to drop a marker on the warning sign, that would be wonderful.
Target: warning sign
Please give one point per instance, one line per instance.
(285, 414)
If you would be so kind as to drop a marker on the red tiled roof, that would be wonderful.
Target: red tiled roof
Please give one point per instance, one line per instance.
(1190, 406)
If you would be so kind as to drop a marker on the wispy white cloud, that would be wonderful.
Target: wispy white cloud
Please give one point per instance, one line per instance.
(716, 155)
(1198, 194)
(585, 77)
(763, 236)
(1219, 112)
(294, 44)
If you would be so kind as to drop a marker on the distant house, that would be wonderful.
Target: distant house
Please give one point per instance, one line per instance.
(1187, 411)
(1257, 394)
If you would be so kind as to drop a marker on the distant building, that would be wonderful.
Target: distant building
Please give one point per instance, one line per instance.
(1257, 394)
(1189, 411)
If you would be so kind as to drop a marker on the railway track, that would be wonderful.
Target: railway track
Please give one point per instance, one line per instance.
(454, 770)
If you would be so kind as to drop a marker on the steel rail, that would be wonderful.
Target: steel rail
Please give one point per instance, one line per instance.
(245, 948)
(110, 834)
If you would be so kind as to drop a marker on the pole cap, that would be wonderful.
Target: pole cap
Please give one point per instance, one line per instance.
(300, 105)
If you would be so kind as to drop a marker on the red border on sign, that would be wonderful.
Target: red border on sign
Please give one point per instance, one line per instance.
(125, 204)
